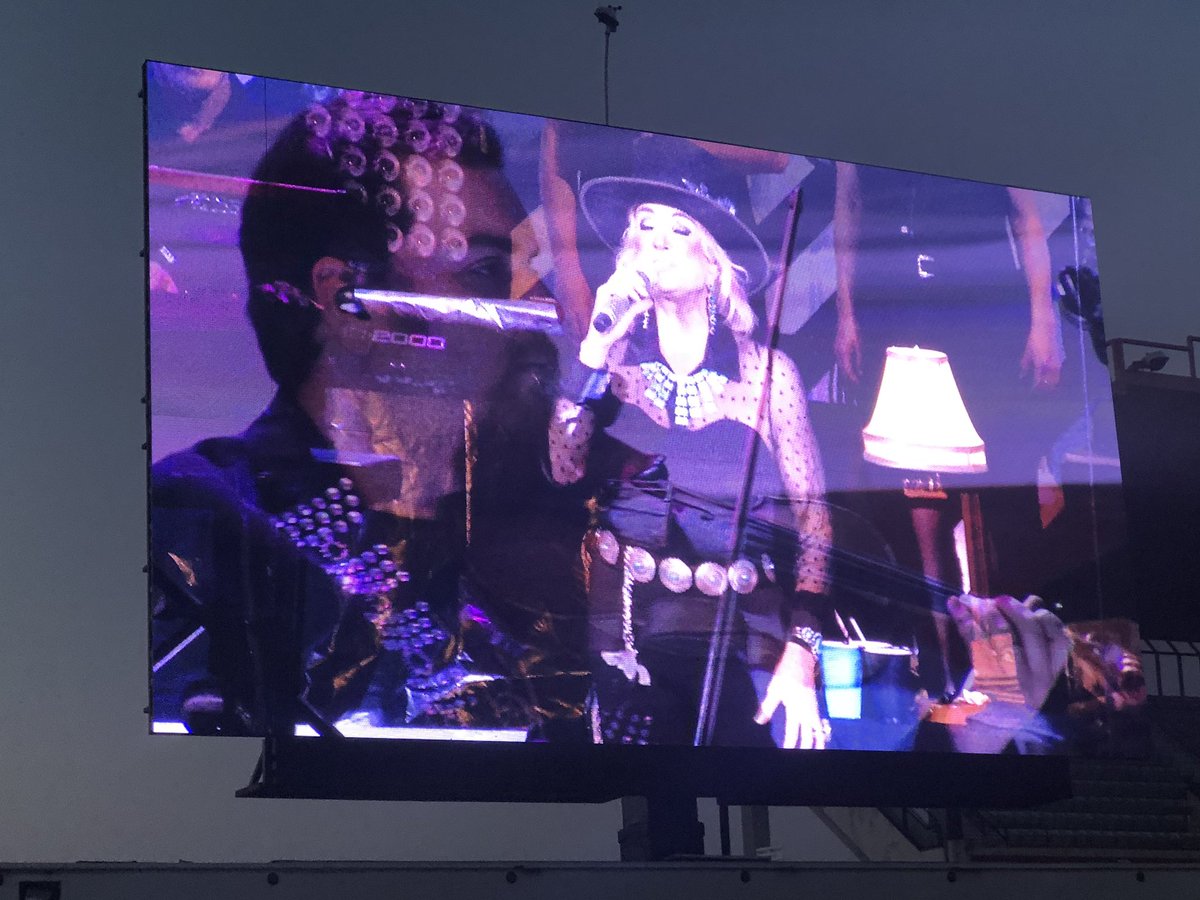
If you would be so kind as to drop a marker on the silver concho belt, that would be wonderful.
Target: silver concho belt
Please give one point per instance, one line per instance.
(711, 578)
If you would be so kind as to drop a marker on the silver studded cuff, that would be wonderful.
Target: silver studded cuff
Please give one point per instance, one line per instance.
(806, 637)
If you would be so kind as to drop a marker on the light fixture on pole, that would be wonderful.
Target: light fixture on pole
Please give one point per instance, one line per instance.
(921, 424)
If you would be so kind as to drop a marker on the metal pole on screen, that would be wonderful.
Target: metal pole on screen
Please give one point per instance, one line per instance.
(718, 646)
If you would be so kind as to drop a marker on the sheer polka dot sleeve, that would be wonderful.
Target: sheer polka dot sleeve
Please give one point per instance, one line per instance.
(571, 429)
(803, 477)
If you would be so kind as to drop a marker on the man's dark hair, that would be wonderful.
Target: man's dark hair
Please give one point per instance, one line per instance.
(305, 206)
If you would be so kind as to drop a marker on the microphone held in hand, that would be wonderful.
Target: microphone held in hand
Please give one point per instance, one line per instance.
(606, 319)
(625, 288)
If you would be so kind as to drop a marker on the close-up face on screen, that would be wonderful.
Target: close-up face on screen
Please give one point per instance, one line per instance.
(469, 425)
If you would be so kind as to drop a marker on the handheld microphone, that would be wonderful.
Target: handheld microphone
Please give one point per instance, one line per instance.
(606, 319)
(618, 306)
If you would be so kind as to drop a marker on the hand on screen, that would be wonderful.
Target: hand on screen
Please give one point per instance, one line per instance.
(1039, 640)
(620, 302)
(846, 347)
(1043, 357)
(793, 686)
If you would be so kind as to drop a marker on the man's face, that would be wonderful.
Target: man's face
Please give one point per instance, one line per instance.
(475, 262)
(478, 260)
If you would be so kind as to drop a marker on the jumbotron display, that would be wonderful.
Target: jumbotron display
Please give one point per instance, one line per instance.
(468, 425)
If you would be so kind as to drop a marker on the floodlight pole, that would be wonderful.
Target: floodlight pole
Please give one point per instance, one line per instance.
(607, 16)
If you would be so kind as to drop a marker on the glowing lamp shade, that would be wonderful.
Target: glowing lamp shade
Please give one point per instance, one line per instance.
(920, 421)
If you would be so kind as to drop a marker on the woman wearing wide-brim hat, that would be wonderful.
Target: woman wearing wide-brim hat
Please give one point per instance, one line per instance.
(670, 339)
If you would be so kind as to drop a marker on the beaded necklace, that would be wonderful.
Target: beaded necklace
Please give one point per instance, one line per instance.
(688, 398)
(695, 394)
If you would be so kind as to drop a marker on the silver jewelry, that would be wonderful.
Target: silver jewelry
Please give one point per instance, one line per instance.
(641, 564)
(626, 659)
(768, 567)
(806, 637)
(608, 545)
(627, 607)
(675, 574)
(711, 579)
(695, 394)
(743, 576)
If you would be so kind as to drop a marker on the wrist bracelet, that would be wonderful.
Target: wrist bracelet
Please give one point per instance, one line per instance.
(806, 637)
(596, 385)
(584, 384)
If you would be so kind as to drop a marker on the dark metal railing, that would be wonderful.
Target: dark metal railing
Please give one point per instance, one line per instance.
(1117, 348)
(1172, 668)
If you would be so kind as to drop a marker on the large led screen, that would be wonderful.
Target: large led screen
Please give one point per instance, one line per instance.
(468, 425)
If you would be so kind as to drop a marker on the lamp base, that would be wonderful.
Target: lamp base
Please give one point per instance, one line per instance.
(978, 559)
(925, 488)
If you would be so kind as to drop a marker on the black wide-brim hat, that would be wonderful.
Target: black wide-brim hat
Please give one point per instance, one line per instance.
(608, 201)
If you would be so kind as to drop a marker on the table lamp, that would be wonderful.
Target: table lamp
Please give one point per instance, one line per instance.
(921, 424)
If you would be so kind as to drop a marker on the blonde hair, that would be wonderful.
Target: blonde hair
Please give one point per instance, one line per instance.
(730, 288)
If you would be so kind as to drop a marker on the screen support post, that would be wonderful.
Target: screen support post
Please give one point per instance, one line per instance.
(756, 829)
(659, 827)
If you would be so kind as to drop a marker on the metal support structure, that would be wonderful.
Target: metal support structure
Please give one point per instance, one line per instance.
(660, 828)
(756, 829)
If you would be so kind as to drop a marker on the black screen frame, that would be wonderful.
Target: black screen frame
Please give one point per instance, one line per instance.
(372, 769)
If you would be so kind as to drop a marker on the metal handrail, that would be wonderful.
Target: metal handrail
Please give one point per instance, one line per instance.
(1162, 658)
(920, 827)
(1118, 345)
